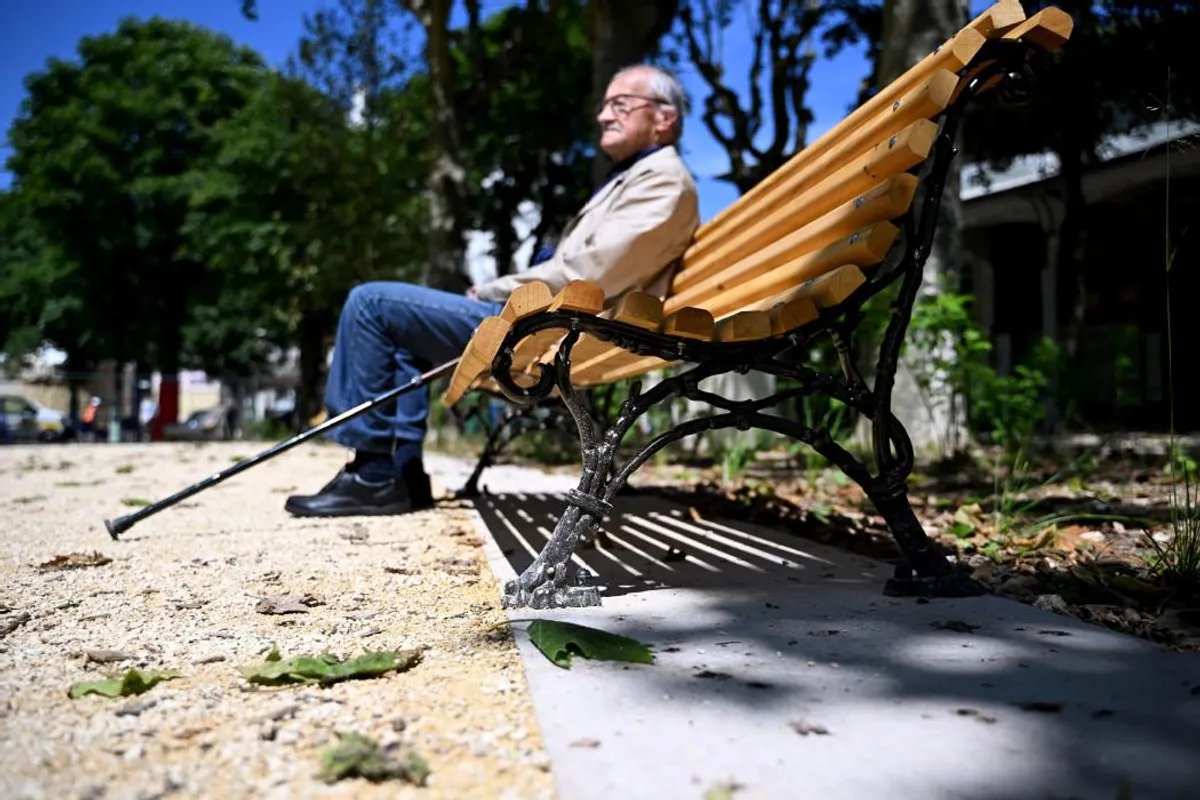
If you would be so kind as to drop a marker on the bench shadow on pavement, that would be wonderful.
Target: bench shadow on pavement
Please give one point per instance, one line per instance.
(1108, 710)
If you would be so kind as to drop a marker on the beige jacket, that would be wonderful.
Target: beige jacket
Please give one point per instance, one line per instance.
(628, 237)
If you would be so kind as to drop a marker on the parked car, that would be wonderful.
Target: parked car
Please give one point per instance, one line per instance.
(207, 424)
(23, 420)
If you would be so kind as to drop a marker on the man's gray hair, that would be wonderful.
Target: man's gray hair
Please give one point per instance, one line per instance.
(665, 85)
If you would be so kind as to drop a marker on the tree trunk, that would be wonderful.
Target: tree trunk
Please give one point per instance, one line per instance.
(1072, 244)
(911, 30)
(446, 268)
(312, 361)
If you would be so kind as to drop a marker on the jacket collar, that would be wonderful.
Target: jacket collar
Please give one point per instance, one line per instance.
(616, 177)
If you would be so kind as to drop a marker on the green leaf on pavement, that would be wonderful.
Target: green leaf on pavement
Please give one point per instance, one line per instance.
(328, 668)
(133, 682)
(558, 641)
(356, 756)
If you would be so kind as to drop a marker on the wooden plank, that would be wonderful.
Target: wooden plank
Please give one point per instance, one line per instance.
(526, 300)
(1049, 28)
(891, 156)
(792, 314)
(924, 101)
(477, 358)
(830, 289)
(583, 296)
(863, 249)
(690, 323)
(953, 56)
(534, 349)
(744, 326)
(739, 285)
(579, 296)
(639, 309)
(997, 18)
(886, 201)
(620, 369)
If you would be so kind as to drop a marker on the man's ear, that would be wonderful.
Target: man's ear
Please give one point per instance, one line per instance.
(667, 120)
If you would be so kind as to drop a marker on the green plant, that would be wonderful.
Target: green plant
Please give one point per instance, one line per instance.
(1178, 559)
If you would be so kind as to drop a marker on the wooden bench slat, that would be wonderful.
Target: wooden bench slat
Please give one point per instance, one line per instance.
(1049, 28)
(792, 314)
(526, 300)
(997, 18)
(621, 366)
(954, 55)
(894, 155)
(886, 201)
(536, 349)
(923, 102)
(476, 360)
(690, 323)
(581, 296)
(744, 326)
(635, 308)
(863, 248)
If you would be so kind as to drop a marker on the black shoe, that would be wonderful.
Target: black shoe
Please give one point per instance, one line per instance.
(348, 495)
(415, 482)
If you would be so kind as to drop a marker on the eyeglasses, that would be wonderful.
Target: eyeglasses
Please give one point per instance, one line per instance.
(623, 105)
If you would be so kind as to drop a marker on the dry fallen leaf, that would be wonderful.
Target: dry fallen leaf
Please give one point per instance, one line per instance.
(585, 743)
(287, 604)
(76, 561)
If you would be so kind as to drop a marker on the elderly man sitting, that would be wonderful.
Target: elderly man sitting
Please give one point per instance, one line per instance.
(627, 237)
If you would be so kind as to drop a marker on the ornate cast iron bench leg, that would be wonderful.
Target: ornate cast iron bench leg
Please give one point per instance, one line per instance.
(515, 422)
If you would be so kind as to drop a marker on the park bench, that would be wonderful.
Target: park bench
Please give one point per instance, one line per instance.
(793, 259)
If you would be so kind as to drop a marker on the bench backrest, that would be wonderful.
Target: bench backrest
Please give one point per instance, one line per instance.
(806, 236)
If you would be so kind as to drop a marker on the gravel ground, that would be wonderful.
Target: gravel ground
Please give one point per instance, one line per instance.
(181, 592)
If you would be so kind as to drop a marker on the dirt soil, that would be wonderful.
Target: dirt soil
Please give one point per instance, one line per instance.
(182, 591)
(1076, 542)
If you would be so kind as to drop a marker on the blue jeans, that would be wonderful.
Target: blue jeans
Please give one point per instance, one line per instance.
(387, 334)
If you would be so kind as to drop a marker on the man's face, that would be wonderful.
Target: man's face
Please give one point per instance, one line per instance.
(629, 118)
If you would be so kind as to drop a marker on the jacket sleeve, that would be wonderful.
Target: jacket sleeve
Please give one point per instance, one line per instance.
(641, 234)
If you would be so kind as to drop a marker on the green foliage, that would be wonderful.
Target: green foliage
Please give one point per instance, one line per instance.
(953, 356)
(559, 641)
(133, 682)
(526, 128)
(1178, 561)
(327, 668)
(356, 756)
(104, 152)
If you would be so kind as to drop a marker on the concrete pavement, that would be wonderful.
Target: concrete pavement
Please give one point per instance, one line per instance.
(784, 672)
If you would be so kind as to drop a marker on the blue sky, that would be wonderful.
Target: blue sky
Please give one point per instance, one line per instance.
(35, 31)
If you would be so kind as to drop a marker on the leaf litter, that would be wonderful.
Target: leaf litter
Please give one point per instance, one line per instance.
(76, 561)
(559, 641)
(356, 756)
(328, 668)
(287, 604)
(133, 682)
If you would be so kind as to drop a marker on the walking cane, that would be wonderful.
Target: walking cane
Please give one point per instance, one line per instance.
(121, 524)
